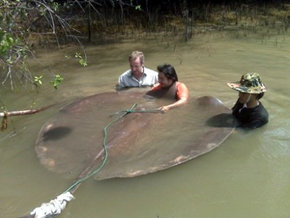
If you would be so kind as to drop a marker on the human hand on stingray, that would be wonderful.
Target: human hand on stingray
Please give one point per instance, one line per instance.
(179, 102)
(163, 109)
(169, 86)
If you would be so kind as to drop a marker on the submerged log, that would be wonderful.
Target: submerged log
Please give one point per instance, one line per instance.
(6, 114)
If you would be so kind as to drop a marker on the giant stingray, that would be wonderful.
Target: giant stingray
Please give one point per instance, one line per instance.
(139, 143)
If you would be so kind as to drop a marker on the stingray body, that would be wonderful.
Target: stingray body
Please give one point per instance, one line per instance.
(138, 144)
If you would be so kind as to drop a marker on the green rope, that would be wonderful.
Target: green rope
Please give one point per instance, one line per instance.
(100, 167)
(139, 111)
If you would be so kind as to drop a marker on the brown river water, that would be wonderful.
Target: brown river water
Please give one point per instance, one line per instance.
(247, 176)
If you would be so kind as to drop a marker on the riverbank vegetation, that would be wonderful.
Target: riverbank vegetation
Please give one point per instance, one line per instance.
(26, 25)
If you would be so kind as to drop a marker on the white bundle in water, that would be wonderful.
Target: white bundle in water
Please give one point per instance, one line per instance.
(54, 207)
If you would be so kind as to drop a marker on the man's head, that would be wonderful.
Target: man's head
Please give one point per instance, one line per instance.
(250, 87)
(136, 61)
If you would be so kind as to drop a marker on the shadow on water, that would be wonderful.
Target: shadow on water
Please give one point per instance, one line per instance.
(56, 133)
(222, 120)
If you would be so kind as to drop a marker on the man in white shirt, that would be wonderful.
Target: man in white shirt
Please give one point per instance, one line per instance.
(138, 75)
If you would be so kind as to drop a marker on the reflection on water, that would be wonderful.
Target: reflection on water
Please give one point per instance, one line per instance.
(248, 176)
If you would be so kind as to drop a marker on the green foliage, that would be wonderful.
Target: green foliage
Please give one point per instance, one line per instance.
(38, 81)
(17, 18)
(3, 108)
(13, 31)
(57, 81)
(82, 61)
(55, 6)
(6, 43)
(20, 20)
(138, 7)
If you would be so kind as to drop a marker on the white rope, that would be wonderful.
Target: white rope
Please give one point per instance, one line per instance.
(54, 207)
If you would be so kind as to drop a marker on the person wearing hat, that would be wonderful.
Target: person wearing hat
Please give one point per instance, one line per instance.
(248, 110)
(169, 87)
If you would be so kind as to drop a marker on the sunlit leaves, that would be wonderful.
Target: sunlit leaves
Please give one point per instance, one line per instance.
(6, 42)
(138, 7)
(17, 19)
(37, 80)
(55, 6)
(82, 61)
(57, 81)
(3, 108)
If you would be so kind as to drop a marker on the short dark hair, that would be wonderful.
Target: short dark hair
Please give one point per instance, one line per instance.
(168, 71)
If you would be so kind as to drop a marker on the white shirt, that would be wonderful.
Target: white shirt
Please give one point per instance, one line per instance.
(149, 78)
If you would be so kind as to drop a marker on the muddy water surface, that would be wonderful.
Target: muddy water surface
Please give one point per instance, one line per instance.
(247, 176)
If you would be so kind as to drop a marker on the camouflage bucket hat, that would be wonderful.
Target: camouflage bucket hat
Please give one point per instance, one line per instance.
(249, 83)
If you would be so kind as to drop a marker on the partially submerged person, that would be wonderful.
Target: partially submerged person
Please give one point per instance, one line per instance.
(168, 82)
(248, 110)
(138, 75)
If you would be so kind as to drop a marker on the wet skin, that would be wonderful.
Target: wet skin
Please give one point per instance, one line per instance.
(164, 81)
(136, 67)
(249, 99)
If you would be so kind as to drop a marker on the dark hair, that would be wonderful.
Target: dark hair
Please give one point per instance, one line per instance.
(259, 96)
(168, 71)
